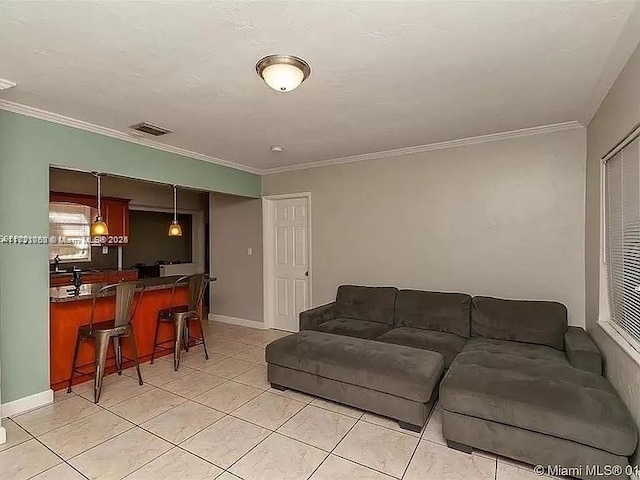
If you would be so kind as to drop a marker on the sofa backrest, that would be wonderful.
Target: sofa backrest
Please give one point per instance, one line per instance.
(441, 312)
(539, 322)
(375, 304)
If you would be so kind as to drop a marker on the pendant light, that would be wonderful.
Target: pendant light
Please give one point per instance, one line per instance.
(175, 230)
(98, 227)
(283, 73)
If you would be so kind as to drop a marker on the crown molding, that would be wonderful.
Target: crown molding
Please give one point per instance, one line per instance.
(492, 137)
(109, 132)
(5, 84)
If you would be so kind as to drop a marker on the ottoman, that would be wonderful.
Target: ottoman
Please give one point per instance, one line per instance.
(391, 380)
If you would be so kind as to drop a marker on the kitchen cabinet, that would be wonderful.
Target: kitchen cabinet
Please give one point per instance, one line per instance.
(61, 280)
(125, 276)
(78, 198)
(95, 277)
(116, 215)
(115, 212)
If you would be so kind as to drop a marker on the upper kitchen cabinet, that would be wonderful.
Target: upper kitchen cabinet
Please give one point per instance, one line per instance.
(115, 212)
(116, 215)
(78, 198)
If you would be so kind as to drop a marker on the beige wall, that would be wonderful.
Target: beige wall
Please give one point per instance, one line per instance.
(619, 112)
(235, 224)
(501, 218)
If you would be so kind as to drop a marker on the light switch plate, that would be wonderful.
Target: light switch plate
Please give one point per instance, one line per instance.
(105, 250)
(249, 251)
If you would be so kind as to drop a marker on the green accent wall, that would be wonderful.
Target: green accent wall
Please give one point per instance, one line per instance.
(28, 146)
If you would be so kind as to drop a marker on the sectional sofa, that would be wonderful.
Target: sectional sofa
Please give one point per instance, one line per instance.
(518, 381)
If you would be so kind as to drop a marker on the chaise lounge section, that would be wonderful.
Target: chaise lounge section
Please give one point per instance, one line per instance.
(518, 380)
(528, 387)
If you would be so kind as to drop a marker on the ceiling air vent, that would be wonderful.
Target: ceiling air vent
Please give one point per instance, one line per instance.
(149, 129)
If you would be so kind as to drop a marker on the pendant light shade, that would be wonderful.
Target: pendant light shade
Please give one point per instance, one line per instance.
(283, 73)
(98, 227)
(175, 230)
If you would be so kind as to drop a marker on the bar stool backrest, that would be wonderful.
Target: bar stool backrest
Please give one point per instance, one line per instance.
(124, 300)
(197, 285)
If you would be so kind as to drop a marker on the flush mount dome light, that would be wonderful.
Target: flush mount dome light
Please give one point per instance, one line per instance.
(283, 72)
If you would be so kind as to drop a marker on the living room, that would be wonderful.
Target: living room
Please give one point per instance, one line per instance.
(448, 156)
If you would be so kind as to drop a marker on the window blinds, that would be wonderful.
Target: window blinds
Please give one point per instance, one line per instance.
(69, 222)
(622, 230)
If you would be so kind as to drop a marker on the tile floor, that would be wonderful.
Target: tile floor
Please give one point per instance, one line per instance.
(220, 419)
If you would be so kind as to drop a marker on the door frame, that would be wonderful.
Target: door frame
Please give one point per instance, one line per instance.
(268, 241)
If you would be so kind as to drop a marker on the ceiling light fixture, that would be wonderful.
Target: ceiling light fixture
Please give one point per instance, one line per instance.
(283, 73)
(98, 227)
(175, 230)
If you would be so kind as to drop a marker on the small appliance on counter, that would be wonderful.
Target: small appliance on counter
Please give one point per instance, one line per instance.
(169, 269)
(165, 268)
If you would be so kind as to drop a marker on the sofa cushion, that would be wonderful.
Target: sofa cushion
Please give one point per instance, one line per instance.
(354, 328)
(538, 391)
(446, 344)
(374, 304)
(401, 371)
(516, 351)
(543, 323)
(582, 351)
(440, 312)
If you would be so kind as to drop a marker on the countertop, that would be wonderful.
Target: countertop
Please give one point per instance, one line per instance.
(87, 291)
(90, 271)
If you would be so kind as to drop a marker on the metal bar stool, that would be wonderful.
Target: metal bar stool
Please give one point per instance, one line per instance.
(114, 329)
(181, 316)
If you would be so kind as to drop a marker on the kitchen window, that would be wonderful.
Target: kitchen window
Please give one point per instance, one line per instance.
(622, 239)
(69, 225)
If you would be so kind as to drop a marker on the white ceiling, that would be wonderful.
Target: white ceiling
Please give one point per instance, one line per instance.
(385, 75)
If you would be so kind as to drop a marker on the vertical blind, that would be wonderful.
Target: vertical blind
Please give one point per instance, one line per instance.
(70, 222)
(622, 230)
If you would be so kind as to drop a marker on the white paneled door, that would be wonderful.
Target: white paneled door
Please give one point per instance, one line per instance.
(290, 262)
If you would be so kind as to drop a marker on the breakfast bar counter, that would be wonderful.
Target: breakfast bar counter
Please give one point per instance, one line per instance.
(69, 309)
(69, 294)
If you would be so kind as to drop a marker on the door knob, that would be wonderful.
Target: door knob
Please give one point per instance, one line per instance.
(306, 273)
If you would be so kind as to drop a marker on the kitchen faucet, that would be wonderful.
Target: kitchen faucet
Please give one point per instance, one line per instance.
(56, 262)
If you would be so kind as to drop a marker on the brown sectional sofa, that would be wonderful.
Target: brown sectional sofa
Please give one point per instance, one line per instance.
(519, 381)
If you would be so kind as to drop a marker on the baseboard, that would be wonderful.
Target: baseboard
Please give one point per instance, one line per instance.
(11, 409)
(213, 317)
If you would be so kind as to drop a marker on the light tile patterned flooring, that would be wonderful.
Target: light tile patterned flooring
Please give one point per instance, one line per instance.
(220, 419)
